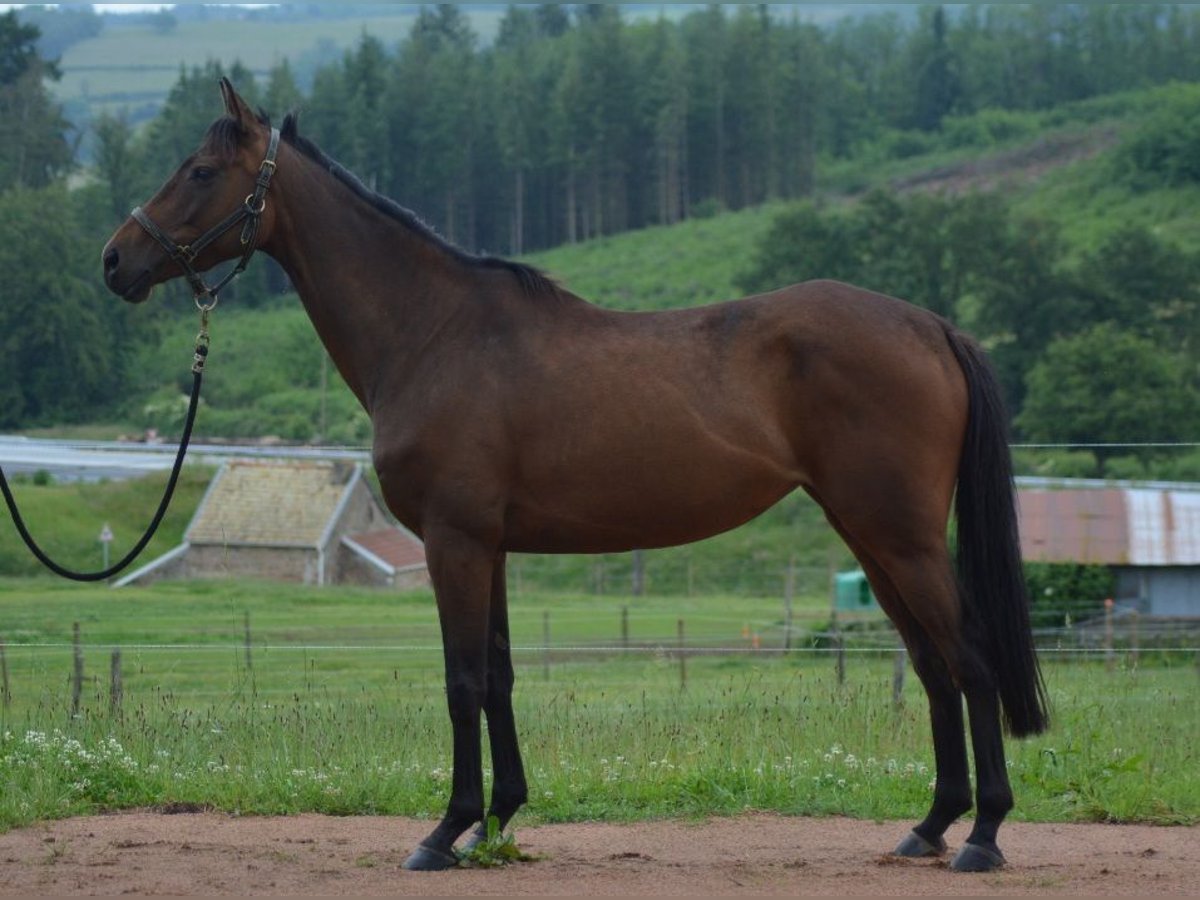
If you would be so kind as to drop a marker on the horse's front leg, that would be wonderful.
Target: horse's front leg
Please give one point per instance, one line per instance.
(461, 568)
(509, 791)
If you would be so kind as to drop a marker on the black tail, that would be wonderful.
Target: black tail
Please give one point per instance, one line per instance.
(990, 576)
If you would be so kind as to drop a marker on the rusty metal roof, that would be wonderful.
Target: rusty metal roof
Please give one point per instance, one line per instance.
(397, 548)
(1136, 526)
(273, 504)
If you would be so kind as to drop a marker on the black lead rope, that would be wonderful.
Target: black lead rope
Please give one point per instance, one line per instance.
(201, 355)
(248, 215)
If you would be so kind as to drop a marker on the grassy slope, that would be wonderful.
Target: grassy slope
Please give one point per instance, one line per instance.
(688, 264)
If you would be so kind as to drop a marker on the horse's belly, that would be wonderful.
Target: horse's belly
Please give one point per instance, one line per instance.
(632, 506)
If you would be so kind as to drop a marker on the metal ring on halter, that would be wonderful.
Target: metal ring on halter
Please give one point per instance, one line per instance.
(249, 201)
(206, 307)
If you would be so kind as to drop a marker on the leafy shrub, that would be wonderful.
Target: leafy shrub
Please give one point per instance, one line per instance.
(1125, 468)
(706, 208)
(987, 128)
(1061, 593)
(1181, 468)
(1055, 463)
(905, 144)
(1165, 149)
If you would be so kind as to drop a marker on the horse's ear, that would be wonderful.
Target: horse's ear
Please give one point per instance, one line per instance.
(235, 106)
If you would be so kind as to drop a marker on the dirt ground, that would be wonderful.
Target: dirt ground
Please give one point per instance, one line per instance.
(215, 854)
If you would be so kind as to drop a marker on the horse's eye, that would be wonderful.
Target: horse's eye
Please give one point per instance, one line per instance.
(203, 174)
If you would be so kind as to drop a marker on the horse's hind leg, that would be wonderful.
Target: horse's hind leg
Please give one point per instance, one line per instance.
(914, 581)
(952, 784)
(994, 796)
(949, 662)
(509, 790)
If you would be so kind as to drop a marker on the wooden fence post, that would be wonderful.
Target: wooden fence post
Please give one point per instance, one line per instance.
(546, 645)
(835, 632)
(5, 693)
(77, 676)
(682, 659)
(789, 589)
(598, 575)
(1133, 638)
(249, 659)
(898, 670)
(115, 689)
(1110, 658)
(625, 627)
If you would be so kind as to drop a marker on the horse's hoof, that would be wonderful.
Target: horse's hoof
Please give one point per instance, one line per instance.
(974, 858)
(427, 859)
(914, 846)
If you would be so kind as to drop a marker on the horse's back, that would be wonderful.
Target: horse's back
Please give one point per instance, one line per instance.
(666, 427)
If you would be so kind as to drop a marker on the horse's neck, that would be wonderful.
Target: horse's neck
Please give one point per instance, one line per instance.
(374, 289)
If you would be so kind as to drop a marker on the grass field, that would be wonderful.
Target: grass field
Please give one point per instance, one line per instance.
(340, 709)
(130, 64)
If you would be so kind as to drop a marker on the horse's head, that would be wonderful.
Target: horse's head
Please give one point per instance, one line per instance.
(212, 209)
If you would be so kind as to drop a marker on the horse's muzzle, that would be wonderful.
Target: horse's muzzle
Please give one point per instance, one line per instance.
(134, 290)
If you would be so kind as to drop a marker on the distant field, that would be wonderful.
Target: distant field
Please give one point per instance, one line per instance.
(134, 64)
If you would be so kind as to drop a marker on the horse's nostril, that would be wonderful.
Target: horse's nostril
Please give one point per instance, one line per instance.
(111, 259)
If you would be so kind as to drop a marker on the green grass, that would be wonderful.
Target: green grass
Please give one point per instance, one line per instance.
(665, 267)
(357, 725)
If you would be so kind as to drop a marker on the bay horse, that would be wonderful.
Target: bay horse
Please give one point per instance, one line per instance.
(510, 415)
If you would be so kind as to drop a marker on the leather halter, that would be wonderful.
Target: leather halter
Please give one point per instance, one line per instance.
(251, 211)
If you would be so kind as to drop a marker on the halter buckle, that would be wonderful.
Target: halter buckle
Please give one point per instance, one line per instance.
(250, 207)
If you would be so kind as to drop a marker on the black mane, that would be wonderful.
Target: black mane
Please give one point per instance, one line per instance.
(532, 280)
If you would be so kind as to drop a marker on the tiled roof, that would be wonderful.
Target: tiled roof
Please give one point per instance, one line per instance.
(393, 546)
(270, 503)
(1111, 526)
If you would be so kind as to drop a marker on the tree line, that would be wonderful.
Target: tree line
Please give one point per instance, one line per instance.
(576, 121)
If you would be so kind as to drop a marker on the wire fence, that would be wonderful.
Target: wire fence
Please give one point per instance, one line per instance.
(1128, 641)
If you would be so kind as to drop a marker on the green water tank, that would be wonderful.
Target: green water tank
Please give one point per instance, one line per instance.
(852, 592)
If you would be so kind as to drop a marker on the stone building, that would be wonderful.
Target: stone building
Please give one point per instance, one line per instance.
(308, 522)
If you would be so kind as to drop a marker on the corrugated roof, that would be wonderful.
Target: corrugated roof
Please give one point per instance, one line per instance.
(1164, 527)
(1111, 526)
(270, 503)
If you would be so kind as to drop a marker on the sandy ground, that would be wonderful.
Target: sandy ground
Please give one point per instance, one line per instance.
(214, 854)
